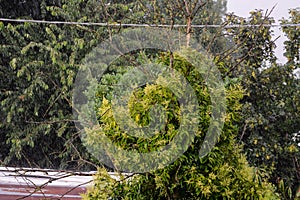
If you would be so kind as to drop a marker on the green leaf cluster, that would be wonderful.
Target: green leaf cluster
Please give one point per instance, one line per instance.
(223, 174)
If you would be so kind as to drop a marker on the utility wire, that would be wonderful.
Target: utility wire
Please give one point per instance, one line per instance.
(148, 25)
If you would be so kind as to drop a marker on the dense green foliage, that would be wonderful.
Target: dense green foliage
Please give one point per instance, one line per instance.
(270, 125)
(224, 173)
(39, 63)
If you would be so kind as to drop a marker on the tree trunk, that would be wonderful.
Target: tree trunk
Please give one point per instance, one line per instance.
(188, 31)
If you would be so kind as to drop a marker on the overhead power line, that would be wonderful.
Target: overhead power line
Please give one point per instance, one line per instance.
(147, 25)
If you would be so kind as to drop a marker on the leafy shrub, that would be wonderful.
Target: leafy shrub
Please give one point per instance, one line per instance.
(223, 174)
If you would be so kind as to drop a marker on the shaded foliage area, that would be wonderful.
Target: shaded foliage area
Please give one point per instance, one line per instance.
(35, 9)
(39, 64)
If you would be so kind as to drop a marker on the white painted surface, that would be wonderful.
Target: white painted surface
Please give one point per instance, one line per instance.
(15, 176)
